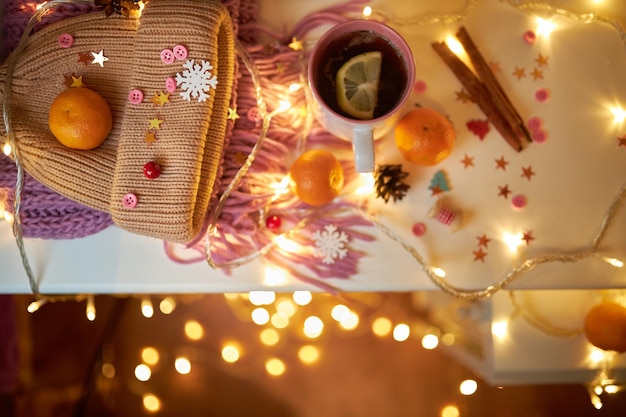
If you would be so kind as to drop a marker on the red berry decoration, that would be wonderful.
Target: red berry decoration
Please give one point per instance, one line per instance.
(273, 223)
(152, 170)
(479, 127)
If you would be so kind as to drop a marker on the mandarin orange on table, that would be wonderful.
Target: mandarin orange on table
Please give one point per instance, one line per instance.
(424, 136)
(605, 326)
(80, 118)
(316, 177)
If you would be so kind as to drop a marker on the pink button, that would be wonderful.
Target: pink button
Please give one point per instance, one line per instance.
(534, 123)
(129, 200)
(539, 136)
(542, 95)
(419, 229)
(530, 37)
(65, 40)
(135, 96)
(518, 202)
(253, 114)
(170, 84)
(419, 87)
(180, 52)
(167, 56)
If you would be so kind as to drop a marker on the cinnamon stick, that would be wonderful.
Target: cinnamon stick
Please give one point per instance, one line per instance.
(480, 94)
(490, 81)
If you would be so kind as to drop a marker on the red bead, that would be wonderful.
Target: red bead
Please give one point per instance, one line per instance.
(273, 223)
(152, 170)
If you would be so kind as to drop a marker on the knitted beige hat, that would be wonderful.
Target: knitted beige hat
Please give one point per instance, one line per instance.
(179, 56)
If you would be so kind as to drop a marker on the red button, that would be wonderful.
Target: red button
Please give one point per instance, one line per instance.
(167, 56)
(135, 96)
(129, 200)
(65, 40)
(180, 52)
(170, 84)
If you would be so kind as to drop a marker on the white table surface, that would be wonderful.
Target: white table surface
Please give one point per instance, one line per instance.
(579, 170)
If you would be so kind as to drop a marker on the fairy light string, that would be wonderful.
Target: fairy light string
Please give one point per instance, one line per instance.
(430, 271)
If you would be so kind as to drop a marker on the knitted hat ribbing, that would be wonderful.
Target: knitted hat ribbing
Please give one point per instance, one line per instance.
(189, 140)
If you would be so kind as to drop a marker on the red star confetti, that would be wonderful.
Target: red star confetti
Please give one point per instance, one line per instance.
(150, 137)
(621, 141)
(479, 255)
(435, 189)
(483, 241)
(295, 44)
(467, 161)
(155, 123)
(537, 74)
(501, 163)
(160, 98)
(527, 236)
(519, 73)
(504, 191)
(479, 128)
(495, 66)
(542, 61)
(85, 58)
(99, 58)
(232, 114)
(527, 172)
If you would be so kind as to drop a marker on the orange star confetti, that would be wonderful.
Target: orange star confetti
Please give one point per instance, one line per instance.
(232, 114)
(463, 96)
(150, 137)
(479, 255)
(435, 189)
(240, 158)
(483, 241)
(527, 172)
(155, 123)
(504, 191)
(501, 163)
(467, 161)
(495, 66)
(621, 141)
(537, 74)
(519, 73)
(542, 61)
(527, 236)
(160, 98)
(85, 58)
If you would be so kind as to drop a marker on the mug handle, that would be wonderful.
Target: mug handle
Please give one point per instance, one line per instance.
(363, 146)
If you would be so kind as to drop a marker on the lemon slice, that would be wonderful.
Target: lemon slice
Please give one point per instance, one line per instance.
(357, 85)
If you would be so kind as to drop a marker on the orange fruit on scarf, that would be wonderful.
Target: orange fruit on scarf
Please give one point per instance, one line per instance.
(424, 136)
(316, 177)
(80, 118)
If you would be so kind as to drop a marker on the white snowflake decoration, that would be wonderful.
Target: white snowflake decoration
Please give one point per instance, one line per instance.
(196, 80)
(330, 244)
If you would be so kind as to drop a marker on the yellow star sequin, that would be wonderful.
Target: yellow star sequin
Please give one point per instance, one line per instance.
(295, 44)
(240, 158)
(155, 123)
(537, 74)
(542, 61)
(160, 98)
(77, 82)
(232, 114)
(463, 96)
(150, 137)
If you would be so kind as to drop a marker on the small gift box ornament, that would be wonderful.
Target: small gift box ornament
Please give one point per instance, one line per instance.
(167, 75)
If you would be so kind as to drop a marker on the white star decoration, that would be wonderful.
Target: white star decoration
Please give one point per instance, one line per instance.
(99, 58)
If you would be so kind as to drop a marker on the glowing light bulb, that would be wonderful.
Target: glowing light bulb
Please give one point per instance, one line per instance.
(430, 341)
(39, 6)
(182, 365)
(259, 298)
(7, 148)
(194, 330)
(90, 310)
(438, 271)
(230, 353)
(151, 403)
(619, 114)
(512, 241)
(269, 337)
(274, 276)
(350, 321)
(613, 262)
(468, 387)
(368, 183)
(455, 46)
(167, 305)
(401, 332)
(598, 389)
(146, 308)
(286, 306)
(544, 27)
(302, 298)
(283, 106)
(143, 372)
(381, 326)
(367, 11)
(36, 305)
(275, 367)
(500, 328)
(287, 244)
(313, 327)
(308, 354)
(279, 320)
(260, 316)
(294, 87)
(150, 355)
(611, 389)
(450, 411)
(596, 356)
(339, 312)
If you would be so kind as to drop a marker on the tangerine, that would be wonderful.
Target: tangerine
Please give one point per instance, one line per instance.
(80, 118)
(316, 177)
(424, 136)
(605, 326)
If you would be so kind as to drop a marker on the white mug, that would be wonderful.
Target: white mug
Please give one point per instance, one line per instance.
(361, 132)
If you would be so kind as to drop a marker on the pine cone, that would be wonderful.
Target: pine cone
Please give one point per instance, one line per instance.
(389, 182)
